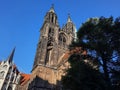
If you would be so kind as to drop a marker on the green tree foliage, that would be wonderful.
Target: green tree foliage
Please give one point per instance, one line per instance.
(82, 75)
(114, 70)
(101, 38)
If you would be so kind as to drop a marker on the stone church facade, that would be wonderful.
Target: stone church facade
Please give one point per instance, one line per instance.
(51, 59)
(52, 53)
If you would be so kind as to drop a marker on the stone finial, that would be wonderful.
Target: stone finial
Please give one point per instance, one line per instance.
(69, 18)
(52, 8)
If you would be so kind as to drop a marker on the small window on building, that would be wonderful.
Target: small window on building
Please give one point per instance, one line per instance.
(9, 88)
(12, 78)
(10, 69)
(4, 86)
(52, 18)
(62, 40)
(5, 66)
(2, 74)
(8, 76)
(51, 32)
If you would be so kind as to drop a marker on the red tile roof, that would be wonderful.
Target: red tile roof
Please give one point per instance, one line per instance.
(75, 50)
(70, 52)
(24, 78)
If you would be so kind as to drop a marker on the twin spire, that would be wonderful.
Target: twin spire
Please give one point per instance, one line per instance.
(52, 10)
(10, 58)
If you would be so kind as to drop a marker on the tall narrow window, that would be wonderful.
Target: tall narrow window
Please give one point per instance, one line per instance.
(4, 86)
(62, 40)
(52, 18)
(47, 56)
(2, 74)
(9, 88)
(48, 53)
(51, 32)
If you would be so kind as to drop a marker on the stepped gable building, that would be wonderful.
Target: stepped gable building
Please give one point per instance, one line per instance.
(9, 74)
(51, 55)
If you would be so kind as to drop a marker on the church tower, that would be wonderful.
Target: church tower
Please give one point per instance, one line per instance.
(47, 45)
(52, 45)
(70, 30)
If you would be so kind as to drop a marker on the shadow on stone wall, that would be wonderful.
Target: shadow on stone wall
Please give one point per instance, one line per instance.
(40, 84)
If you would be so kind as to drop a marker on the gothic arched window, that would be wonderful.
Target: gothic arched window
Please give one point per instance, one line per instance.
(8, 76)
(47, 56)
(48, 52)
(62, 39)
(4, 86)
(51, 32)
(9, 88)
(10, 69)
(12, 78)
(52, 18)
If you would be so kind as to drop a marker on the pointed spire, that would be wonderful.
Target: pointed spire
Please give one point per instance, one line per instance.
(69, 19)
(52, 8)
(10, 58)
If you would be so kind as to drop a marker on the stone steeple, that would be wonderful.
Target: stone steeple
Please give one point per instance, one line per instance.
(51, 47)
(69, 29)
(47, 45)
(10, 58)
(51, 16)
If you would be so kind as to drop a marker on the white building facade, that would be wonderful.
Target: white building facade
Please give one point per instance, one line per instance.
(9, 74)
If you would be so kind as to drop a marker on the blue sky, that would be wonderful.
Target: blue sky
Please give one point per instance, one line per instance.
(21, 20)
